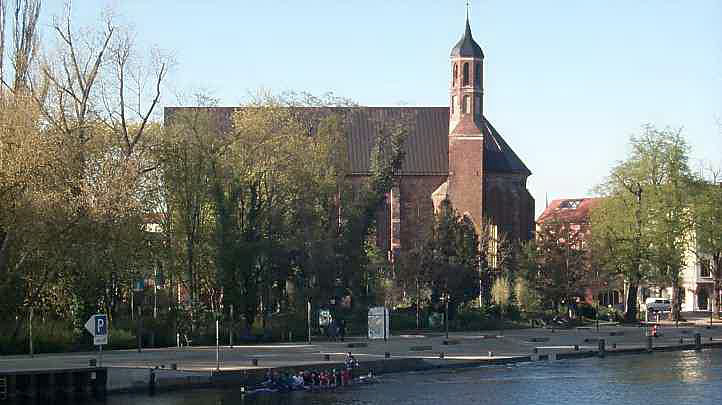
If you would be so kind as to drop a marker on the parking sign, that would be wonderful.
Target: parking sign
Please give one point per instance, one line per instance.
(97, 325)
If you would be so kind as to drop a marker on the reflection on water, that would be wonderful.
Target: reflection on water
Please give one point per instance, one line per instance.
(660, 378)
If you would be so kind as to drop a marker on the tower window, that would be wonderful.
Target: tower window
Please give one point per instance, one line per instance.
(456, 73)
(467, 104)
(453, 104)
(477, 75)
(466, 73)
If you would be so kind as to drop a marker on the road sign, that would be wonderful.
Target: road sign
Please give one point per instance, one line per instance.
(97, 325)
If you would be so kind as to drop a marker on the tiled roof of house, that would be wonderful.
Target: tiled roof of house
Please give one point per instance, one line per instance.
(427, 147)
(569, 210)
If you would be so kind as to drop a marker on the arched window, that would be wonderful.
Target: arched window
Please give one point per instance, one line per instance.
(477, 75)
(466, 74)
(456, 73)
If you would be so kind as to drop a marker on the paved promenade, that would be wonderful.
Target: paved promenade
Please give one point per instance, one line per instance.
(461, 347)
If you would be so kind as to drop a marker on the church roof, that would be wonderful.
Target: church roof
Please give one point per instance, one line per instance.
(467, 47)
(427, 146)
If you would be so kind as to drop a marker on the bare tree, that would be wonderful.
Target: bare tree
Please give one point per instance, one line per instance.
(25, 40)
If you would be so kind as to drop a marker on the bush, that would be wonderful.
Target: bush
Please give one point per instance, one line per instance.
(121, 339)
(403, 320)
(586, 310)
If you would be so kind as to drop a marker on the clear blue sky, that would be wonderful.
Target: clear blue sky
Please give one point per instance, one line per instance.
(567, 82)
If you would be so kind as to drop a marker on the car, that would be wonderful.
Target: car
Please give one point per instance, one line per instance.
(658, 304)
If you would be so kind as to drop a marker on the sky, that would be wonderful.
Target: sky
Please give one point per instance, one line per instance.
(566, 82)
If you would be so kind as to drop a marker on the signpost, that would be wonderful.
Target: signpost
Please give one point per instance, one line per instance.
(97, 325)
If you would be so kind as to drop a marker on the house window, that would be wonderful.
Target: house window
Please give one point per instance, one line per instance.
(477, 75)
(704, 270)
(466, 74)
(467, 104)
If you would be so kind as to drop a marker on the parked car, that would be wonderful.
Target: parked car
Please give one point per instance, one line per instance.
(658, 304)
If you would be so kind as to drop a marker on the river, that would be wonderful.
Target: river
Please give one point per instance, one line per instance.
(686, 377)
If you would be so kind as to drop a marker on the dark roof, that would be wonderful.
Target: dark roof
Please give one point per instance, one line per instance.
(427, 146)
(467, 47)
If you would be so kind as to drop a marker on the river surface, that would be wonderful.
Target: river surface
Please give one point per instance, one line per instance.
(661, 378)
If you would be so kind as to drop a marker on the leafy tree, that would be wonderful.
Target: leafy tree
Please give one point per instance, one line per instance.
(501, 295)
(450, 258)
(527, 298)
(642, 222)
(556, 263)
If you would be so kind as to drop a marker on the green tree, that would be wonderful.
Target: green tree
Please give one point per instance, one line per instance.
(556, 263)
(641, 223)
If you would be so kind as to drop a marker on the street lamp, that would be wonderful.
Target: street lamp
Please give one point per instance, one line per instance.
(138, 288)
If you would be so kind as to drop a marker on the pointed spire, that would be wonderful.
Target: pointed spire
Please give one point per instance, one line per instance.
(467, 47)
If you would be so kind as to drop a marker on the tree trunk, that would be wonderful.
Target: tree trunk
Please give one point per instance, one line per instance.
(631, 307)
(4, 252)
(675, 303)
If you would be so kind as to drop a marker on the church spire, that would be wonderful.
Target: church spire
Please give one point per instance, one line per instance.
(467, 47)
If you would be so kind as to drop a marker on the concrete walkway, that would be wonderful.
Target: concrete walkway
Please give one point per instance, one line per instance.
(460, 347)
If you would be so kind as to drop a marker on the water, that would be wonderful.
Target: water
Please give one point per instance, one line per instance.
(661, 378)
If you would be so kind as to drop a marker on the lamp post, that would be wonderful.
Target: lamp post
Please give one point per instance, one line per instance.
(138, 288)
(446, 318)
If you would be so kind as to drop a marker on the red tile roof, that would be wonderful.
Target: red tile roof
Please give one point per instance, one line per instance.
(569, 210)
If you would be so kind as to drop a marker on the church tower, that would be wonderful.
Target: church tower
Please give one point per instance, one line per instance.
(466, 123)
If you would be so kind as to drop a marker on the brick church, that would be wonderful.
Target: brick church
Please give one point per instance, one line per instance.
(452, 153)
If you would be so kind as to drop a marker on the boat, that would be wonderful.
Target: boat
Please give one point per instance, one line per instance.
(275, 388)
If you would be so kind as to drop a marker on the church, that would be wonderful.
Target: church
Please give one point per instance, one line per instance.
(452, 153)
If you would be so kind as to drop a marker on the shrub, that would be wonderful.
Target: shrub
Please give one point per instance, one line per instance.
(403, 320)
(121, 339)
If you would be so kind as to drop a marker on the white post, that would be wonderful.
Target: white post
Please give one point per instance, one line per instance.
(309, 321)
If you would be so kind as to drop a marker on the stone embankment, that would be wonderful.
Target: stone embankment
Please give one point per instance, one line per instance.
(187, 367)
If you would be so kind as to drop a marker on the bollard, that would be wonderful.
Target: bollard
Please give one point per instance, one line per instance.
(697, 341)
(491, 354)
(254, 362)
(387, 355)
(649, 344)
(614, 345)
(535, 350)
(601, 350)
(681, 340)
(174, 366)
(576, 348)
(441, 355)
(326, 357)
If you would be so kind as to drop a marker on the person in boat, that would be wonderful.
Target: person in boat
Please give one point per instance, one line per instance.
(351, 361)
